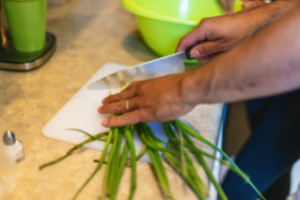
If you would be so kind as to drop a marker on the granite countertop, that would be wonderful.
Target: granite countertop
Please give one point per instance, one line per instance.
(89, 33)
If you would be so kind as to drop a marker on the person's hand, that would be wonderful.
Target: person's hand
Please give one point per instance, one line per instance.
(159, 99)
(249, 4)
(217, 35)
(226, 5)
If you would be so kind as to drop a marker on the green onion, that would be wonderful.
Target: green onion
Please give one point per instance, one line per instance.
(76, 147)
(177, 152)
(202, 163)
(109, 164)
(120, 171)
(193, 173)
(157, 163)
(142, 152)
(86, 133)
(98, 166)
(114, 162)
(133, 163)
(193, 133)
(182, 152)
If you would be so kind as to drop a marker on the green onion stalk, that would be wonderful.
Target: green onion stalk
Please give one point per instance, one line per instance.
(179, 152)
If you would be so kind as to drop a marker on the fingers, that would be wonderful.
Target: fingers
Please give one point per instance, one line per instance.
(125, 94)
(119, 106)
(134, 117)
(205, 49)
(210, 44)
(204, 59)
(191, 39)
(129, 92)
(209, 57)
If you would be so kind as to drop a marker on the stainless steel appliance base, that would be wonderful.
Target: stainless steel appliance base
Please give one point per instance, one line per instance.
(11, 59)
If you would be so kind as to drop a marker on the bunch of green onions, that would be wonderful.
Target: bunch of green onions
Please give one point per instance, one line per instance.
(180, 152)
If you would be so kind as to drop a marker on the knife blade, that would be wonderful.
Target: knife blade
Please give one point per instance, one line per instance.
(155, 68)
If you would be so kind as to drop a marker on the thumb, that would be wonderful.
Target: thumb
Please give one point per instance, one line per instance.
(205, 49)
(192, 38)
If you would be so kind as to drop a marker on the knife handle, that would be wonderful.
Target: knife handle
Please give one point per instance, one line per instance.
(188, 50)
(187, 53)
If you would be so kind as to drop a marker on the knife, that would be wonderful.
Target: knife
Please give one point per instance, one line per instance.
(155, 68)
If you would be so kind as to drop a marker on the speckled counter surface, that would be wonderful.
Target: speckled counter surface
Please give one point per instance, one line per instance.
(89, 34)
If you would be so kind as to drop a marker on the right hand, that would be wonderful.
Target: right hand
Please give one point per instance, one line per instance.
(218, 34)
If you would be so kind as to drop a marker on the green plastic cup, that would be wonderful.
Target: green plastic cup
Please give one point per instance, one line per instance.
(27, 23)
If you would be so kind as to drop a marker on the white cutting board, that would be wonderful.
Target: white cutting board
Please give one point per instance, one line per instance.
(80, 112)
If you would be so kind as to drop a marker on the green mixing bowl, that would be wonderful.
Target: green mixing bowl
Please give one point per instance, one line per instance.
(163, 22)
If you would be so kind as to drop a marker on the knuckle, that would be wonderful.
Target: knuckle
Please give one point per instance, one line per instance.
(157, 114)
(204, 20)
(136, 91)
(110, 121)
(103, 109)
(133, 84)
(207, 24)
(142, 115)
(205, 48)
(116, 121)
(182, 40)
(136, 103)
(223, 47)
(176, 110)
(142, 88)
(118, 105)
(139, 90)
(125, 118)
(119, 96)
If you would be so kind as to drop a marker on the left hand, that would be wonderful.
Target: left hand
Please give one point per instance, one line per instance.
(159, 99)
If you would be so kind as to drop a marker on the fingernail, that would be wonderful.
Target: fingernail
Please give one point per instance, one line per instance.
(195, 53)
(104, 122)
(100, 108)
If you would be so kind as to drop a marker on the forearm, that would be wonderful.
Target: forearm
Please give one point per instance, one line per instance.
(261, 16)
(266, 64)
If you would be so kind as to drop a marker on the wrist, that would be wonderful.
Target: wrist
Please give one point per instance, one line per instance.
(197, 86)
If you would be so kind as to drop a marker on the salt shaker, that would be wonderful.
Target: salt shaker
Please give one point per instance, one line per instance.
(13, 147)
